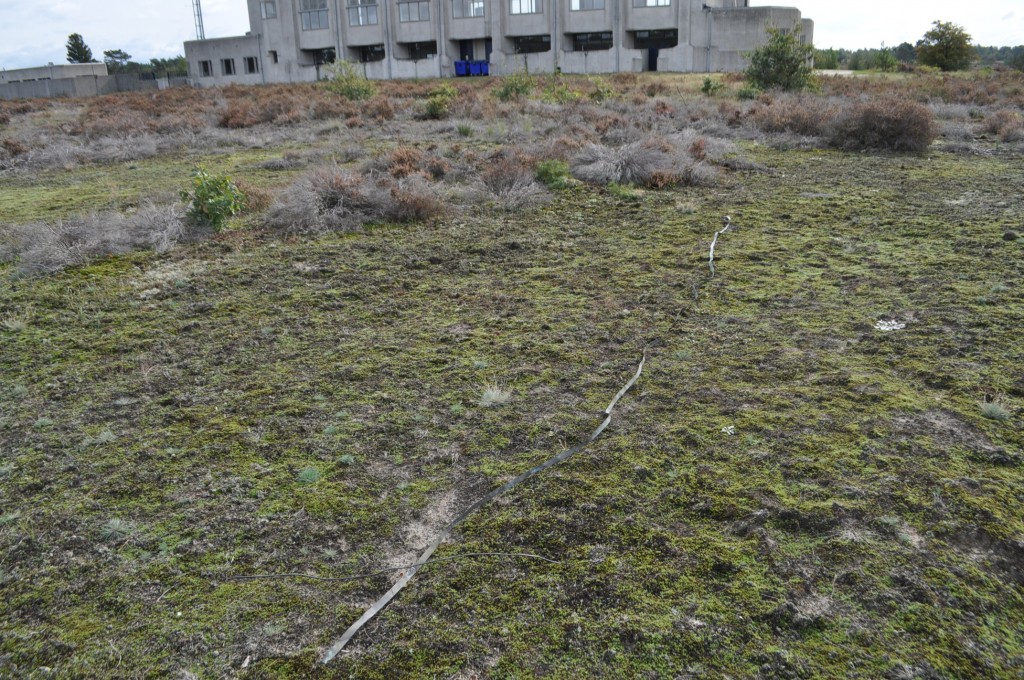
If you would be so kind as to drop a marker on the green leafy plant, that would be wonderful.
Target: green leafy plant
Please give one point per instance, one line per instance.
(602, 90)
(514, 86)
(346, 459)
(553, 173)
(439, 103)
(784, 62)
(212, 199)
(712, 87)
(345, 80)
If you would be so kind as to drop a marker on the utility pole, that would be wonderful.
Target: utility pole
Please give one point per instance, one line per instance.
(198, 11)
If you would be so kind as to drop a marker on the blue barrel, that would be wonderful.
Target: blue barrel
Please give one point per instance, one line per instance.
(461, 68)
(475, 69)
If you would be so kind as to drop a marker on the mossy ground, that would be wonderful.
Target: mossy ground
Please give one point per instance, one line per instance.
(864, 519)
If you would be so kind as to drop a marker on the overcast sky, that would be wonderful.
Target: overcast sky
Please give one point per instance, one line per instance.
(35, 33)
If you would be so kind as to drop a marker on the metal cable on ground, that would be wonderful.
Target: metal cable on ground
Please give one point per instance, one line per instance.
(727, 221)
(401, 583)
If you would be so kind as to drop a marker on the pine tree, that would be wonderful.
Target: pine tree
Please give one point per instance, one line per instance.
(78, 51)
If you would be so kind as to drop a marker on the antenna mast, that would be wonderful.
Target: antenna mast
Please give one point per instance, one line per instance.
(200, 33)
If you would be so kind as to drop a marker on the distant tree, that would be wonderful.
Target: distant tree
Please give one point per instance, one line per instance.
(827, 59)
(1017, 60)
(905, 53)
(947, 46)
(176, 66)
(78, 51)
(784, 62)
(115, 59)
(885, 60)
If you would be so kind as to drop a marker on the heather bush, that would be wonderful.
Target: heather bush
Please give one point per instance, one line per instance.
(652, 162)
(47, 247)
(510, 184)
(1005, 124)
(884, 124)
(802, 115)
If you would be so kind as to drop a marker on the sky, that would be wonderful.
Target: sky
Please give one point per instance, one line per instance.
(35, 33)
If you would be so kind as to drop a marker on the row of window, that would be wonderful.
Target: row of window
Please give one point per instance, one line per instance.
(227, 67)
(313, 13)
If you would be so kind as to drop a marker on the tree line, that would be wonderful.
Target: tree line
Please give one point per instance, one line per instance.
(946, 46)
(119, 61)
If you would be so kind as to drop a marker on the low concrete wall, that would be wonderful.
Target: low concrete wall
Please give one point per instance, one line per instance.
(87, 86)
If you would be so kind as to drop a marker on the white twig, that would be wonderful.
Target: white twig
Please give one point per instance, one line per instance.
(727, 221)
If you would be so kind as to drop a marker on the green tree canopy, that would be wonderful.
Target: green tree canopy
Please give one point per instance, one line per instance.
(784, 62)
(115, 59)
(78, 51)
(947, 46)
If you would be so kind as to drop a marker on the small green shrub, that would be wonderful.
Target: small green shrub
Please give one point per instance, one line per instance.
(345, 80)
(514, 86)
(602, 90)
(212, 199)
(346, 459)
(309, 475)
(437, 107)
(465, 130)
(553, 173)
(994, 411)
(748, 92)
(784, 62)
(115, 530)
(560, 93)
(712, 87)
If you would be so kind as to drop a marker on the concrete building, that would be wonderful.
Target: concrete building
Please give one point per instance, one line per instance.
(290, 40)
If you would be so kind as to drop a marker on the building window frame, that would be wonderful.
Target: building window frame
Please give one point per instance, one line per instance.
(517, 7)
(531, 44)
(227, 67)
(468, 9)
(268, 9)
(652, 3)
(592, 42)
(252, 64)
(416, 10)
(585, 5)
(362, 12)
(205, 68)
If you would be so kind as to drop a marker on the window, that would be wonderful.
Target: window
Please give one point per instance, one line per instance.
(578, 5)
(464, 9)
(414, 11)
(421, 50)
(227, 67)
(591, 42)
(362, 13)
(252, 65)
(652, 3)
(268, 10)
(371, 53)
(655, 39)
(313, 14)
(524, 7)
(273, 56)
(206, 69)
(531, 43)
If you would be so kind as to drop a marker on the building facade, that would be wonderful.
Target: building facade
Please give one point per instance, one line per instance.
(291, 40)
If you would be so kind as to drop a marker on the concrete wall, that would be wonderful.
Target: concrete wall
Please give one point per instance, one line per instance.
(85, 86)
(52, 72)
(713, 35)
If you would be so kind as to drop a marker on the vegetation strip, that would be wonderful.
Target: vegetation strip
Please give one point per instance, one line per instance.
(401, 583)
(370, 574)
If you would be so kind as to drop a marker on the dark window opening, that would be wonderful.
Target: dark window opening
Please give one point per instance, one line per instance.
(591, 42)
(528, 44)
(420, 50)
(227, 67)
(655, 39)
(273, 56)
(370, 53)
(252, 65)
(206, 69)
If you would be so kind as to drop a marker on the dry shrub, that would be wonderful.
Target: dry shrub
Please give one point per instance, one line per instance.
(886, 124)
(332, 199)
(652, 161)
(510, 183)
(655, 88)
(257, 199)
(380, 108)
(13, 147)
(1005, 124)
(47, 247)
(406, 161)
(809, 116)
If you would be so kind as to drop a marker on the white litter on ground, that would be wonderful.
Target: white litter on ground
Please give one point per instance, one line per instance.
(883, 325)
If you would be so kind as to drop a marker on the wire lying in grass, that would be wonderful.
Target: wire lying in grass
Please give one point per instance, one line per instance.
(425, 557)
(727, 221)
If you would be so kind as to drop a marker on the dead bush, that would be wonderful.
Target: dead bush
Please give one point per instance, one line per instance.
(653, 162)
(511, 184)
(47, 247)
(379, 108)
(410, 199)
(257, 199)
(884, 124)
(802, 115)
(1004, 124)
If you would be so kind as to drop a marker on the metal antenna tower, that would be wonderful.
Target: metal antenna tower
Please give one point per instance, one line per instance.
(200, 33)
